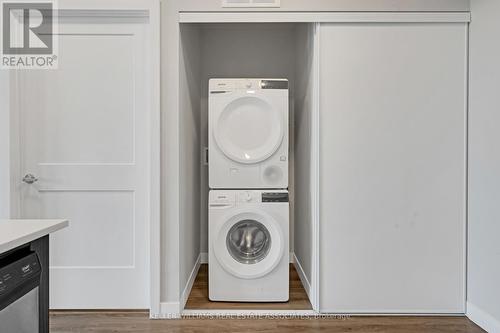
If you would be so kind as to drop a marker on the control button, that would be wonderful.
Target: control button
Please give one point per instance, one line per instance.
(273, 174)
(283, 158)
(248, 196)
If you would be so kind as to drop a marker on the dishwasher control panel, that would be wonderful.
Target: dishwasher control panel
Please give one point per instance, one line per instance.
(15, 270)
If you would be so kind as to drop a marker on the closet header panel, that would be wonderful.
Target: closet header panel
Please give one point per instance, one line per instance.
(323, 17)
(333, 5)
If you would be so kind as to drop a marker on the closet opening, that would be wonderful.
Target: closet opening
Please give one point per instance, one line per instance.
(277, 53)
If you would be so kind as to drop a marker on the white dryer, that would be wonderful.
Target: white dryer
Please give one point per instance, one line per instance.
(248, 246)
(248, 133)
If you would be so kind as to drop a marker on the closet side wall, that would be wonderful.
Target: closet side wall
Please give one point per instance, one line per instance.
(190, 157)
(304, 85)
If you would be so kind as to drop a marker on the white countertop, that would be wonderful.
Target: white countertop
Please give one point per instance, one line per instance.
(14, 233)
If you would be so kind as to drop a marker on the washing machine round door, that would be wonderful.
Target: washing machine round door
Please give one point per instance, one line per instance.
(249, 130)
(249, 244)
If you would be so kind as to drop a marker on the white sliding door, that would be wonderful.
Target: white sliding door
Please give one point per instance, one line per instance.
(392, 167)
(85, 133)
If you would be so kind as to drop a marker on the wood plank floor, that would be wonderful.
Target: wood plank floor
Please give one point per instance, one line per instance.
(138, 322)
(198, 299)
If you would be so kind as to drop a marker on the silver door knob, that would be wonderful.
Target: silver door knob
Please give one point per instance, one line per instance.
(29, 178)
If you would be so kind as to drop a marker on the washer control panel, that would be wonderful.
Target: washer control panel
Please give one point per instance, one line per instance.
(274, 197)
(227, 198)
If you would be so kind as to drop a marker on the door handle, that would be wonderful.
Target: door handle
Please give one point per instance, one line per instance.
(220, 205)
(29, 178)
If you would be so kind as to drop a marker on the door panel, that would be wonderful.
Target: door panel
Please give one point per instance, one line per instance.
(81, 106)
(85, 134)
(392, 167)
(111, 213)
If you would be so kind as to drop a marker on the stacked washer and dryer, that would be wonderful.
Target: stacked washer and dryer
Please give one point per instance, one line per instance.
(248, 201)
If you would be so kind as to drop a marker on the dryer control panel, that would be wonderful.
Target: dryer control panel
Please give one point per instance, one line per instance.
(220, 86)
(274, 84)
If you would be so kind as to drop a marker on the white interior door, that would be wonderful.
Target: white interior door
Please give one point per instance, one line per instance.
(85, 134)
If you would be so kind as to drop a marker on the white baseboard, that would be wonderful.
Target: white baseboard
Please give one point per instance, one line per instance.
(168, 310)
(302, 275)
(190, 282)
(483, 319)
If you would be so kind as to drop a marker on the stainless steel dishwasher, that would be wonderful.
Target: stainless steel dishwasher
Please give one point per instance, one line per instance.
(19, 286)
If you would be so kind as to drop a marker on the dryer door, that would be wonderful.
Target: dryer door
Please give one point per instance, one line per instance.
(248, 129)
(249, 244)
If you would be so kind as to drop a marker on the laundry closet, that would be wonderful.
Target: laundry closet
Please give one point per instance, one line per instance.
(377, 153)
(276, 54)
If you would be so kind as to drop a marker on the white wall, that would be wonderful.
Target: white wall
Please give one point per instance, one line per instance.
(170, 188)
(303, 142)
(483, 294)
(244, 50)
(189, 108)
(4, 145)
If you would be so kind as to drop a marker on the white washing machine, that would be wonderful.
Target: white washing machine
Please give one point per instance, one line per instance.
(248, 133)
(248, 246)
